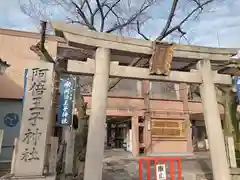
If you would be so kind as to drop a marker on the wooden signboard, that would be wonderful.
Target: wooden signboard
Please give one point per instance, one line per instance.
(168, 128)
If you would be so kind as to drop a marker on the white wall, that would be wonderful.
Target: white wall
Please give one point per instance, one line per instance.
(129, 140)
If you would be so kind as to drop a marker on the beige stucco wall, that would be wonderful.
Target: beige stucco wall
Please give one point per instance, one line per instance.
(15, 49)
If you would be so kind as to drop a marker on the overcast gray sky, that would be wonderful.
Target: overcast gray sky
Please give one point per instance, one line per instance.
(219, 26)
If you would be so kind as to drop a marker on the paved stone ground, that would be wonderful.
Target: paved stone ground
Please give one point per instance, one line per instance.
(120, 165)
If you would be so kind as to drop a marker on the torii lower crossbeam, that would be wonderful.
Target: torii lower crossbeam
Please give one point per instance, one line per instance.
(88, 68)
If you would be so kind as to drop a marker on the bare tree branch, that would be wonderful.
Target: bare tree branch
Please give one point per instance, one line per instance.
(82, 14)
(118, 18)
(111, 8)
(83, 3)
(106, 10)
(139, 31)
(96, 11)
(169, 21)
(199, 4)
(102, 14)
(184, 37)
(131, 19)
(90, 9)
(177, 27)
(93, 16)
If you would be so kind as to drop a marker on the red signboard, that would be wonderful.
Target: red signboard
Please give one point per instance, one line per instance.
(160, 168)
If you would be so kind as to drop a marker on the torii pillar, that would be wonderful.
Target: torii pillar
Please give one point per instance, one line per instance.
(213, 122)
(96, 131)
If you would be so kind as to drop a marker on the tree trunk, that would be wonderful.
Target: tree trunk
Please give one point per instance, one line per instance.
(235, 121)
(80, 140)
(228, 113)
(231, 123)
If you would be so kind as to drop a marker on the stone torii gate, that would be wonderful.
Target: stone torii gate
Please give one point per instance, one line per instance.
(108, 48)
